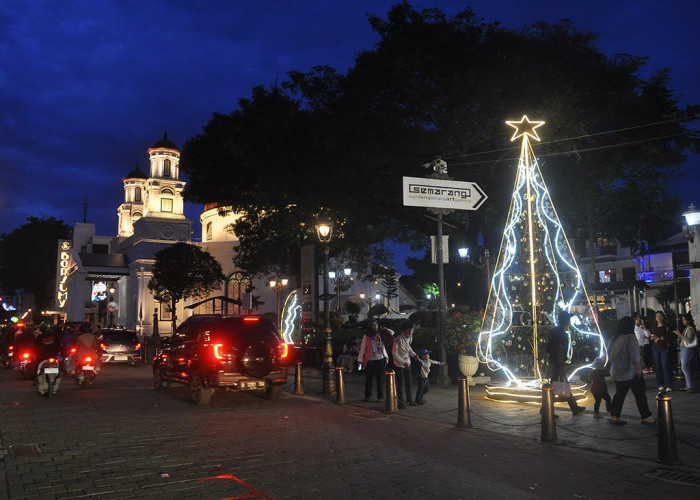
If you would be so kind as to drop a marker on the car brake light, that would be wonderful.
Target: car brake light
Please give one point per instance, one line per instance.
(10, 348)
(284, 349)
(72, 350)
(25, 355)
(103, 346)
(251, 318)
(138, 346)
(51, 360)
(217, 351)
(88, 359)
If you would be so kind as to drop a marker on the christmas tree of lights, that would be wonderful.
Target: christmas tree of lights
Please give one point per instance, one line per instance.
(535, 277)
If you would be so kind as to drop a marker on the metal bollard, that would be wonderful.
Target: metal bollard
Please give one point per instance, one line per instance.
(340, 385)
(549, 430)
(298, 381)
(390, 392)
(668, 453)
(464, 420)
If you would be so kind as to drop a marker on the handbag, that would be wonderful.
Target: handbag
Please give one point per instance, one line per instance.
(694, 343)
(561, 388)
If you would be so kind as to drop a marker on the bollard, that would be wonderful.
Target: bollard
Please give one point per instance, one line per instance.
(340, 385)
(298, 381)
(668, 454)
(549, 430)
(464, 420)
(390, 392)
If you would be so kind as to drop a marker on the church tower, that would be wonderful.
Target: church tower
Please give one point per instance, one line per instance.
(163, 189)
(131, 209)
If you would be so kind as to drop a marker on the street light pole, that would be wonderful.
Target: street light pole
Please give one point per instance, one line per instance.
(324, 231)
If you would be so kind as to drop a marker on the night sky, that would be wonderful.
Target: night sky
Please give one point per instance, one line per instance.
(87, 87)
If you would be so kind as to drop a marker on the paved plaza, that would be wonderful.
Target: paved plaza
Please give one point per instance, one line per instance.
(121, 439)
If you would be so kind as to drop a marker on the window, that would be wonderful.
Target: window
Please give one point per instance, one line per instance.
(208, 233)
(607, 276)
(164, 312)
(137, 215)
(166, 168)
(137, 194)
(167, 191)
(166, 204)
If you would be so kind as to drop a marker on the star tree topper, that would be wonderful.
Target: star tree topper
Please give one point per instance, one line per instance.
(525, 128)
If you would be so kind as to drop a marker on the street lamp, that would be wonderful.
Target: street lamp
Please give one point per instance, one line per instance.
(278, 285)
(324, 231)
(111, 299)
(342, 282)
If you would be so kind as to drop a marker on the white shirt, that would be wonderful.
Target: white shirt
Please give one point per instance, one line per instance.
(642, 335)
(402, 350)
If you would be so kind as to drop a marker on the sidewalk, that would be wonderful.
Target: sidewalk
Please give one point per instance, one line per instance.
(523, 420)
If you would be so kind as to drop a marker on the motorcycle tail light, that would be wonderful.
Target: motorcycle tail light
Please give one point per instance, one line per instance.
(251, 318)
(25, 355)
(138, 346)
(217, 351)
(103, 346)
(87, 359)
(284, 350)
(51, 360)
(10, 348)
(72, 350)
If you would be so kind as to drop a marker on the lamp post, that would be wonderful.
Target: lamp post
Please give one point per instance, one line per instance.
(341, 279)
(278, 285)
(111, 299)
(692, 218)
(324, 231)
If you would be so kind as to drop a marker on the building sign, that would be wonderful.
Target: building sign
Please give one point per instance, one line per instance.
(439, 193)
(64, 268)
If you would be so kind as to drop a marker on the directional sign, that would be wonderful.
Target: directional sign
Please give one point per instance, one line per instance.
(439, 193)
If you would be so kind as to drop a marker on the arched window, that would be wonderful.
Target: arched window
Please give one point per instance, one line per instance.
(166, 168)
(167, 192)
(137, 194)
(137, 215)
(208, 233)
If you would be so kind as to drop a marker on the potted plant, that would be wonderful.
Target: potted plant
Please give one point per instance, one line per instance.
(462, 330)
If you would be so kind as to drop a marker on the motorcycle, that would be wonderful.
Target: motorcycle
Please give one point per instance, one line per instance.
(6, 356)
(25, 363)
(48, 377)
(85, 371)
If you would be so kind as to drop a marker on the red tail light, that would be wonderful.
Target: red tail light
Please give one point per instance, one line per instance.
(25, 355)
(73, 349)
(284, 349)
(138, 346)
(103, 346)
(87, 359)
(217, 351)
(10, 348)
(51, 360)
(251, 318)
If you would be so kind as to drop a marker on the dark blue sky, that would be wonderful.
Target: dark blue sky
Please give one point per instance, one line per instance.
(87, 87)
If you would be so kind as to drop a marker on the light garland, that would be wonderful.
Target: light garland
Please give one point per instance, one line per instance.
(535, 278)
(292, 317)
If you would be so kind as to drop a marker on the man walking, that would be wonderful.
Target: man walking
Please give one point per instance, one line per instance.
(402, 362)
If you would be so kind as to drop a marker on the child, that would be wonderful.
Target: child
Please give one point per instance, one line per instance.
(599, 388)
(423, 383)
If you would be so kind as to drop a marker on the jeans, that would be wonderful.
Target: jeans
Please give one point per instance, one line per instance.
(375, 370)
(638, 389)
(403, 384)
(686, 356)
(423, 387)
(663, 372)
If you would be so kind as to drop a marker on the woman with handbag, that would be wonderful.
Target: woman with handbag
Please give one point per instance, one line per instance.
(626, 371)
(557, 347)
(689, 341)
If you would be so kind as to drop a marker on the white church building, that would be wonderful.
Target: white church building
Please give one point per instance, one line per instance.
(104, 279)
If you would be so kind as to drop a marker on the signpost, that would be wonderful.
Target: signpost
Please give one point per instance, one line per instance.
(441, 194)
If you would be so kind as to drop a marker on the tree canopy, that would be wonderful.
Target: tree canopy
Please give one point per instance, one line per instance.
(182, 271)
(28, 258)
(432, 86)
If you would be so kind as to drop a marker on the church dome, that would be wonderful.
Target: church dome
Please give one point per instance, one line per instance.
(165, 143)
(136, 174)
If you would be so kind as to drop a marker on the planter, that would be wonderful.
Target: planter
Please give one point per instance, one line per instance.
(468, 365)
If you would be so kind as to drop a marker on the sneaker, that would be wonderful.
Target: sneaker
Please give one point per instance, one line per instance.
(597, 415)
(661, 387)
(578, 410)
(668, 389)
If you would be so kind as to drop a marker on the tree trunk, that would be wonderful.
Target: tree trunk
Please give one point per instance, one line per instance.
(173, 305)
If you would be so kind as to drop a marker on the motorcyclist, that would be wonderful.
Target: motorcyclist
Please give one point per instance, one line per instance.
(48, 347)
(86, 345)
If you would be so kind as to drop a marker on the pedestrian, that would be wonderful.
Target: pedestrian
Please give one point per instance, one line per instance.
(689, 342)
(557, 349)
(660, 337)
(642, 333)
(626, 372)
(423, 382)
(372, 359)
(348, 358)
(403, 353)
(599, 388)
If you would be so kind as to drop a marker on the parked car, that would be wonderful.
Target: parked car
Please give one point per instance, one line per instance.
(232, 353)
(118, 346)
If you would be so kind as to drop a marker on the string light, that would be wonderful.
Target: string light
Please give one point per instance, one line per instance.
(290, 312)
(535, 278)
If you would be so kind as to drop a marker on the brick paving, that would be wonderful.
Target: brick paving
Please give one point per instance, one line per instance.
(121, 439)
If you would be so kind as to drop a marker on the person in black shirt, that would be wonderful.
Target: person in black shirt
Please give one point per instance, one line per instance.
(660, 338)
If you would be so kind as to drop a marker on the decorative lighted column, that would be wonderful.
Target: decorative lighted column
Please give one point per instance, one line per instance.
(324, 231)
(692, 217)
